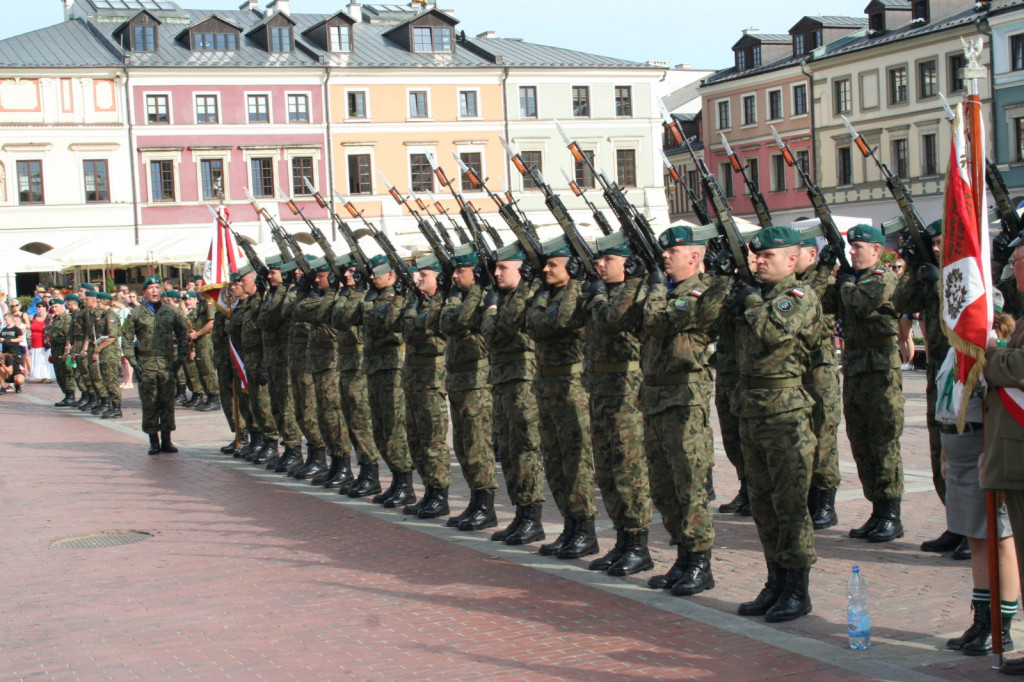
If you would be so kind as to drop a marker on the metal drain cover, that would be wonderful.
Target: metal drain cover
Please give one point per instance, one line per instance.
(110, 538)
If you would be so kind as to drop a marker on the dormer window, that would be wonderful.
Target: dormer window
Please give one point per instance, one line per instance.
(340, 38)
(920, 10)
(144, 39)
(431, 39)
(214, 42)
(280, 38)
(876, 22)
(756, 53)
(798, 44)
(741, 59)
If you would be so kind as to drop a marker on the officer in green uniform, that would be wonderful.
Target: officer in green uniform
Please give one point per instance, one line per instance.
(263, 440)
(777, 334)
(202, 325)
(100, 396)
(59, 333)
(107, 354)
(80, 349)
(226, 379)
(243, 374)
(190, 301)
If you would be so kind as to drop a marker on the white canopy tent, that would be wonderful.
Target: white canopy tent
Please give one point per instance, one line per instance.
(13, 261)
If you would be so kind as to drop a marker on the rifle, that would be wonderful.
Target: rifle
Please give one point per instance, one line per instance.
(459, 232)
(1007, 215)
(476, 223)
(400, 266)
(531, 246)
(558, 210)
(756, 198)
(442, 250)
(602, 222)
(531, 229)
(318, 236)
(899, 192)
(346, 231)
(258, 266)
(696, 203)
(724, 220)
(280, 235)
(425, 207)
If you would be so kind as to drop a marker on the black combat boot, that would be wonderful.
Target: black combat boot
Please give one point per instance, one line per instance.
(436, 506)
(605, 562)
(114, 412)
(947, 542)
(69, 400)
(236, 445)
(454, 521)
(552, 548)
(165, 442)
(795, 600)
(824, 513)
(869, 525)
(696, 577)
(388, 492)
(768, 595)
(102, 407)
(82, 400)
(212, 403)
(196, 399)
(328, 473)
(663, 582)
(502, 535)
(315, 463)
(342, 478)
(180, 398)
(404, 493)
(531, 529)
(291, 457)
(582, 543)
(256, 443)
(94, 400)
(303, 465)
(154, 444)
(982, 625)
(267, 452)
(636, 558)
(368, 481)
(741, 500)
(889, 525)
(414, 508)
(982, 644)
(483, 516)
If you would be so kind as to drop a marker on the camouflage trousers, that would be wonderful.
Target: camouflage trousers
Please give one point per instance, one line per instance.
(156, 391)
(355, 405)
(282, 402)
(934, 433)
(181, 378)
(517, 441)
(427, 431)
(192, 377)
(328, 406)
(778, 453)
(225, 378)
(472, 433)
(304, 396)
(78, 374)
(205, 366)
(680, 449)
(620, 464)
(387, 407)
(825, 416)
(729, 424)
(873, 403)
(259, 403)
(92, 371)
(63, 373)
(565, 444)
(109, 364)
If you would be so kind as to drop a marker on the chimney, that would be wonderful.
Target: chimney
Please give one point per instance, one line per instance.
(275, 6)
(355, 10)
(69, 7)
(250, 5)
(750, 31)
(487, 34)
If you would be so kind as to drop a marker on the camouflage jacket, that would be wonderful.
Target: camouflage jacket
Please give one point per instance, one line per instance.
(613, 345)
(252, 337)
(914, 295)
(271, 322)
(298, 332)
(869, 322)
(77, 328)
(346, 307)
(155, 336)
(59, 331)
(382, 335)
(819, 280)
(424, 345)
(322, 351)
(219, 337)
(556, 321)
(236, 325)
(512, 353)
(466, 357)
(109, 325)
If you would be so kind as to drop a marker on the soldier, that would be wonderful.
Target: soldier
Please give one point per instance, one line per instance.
(200, 335)
(424, 381)
(155, 343)
(555, 320)
(469, 394)
(80, 349)
(190, 302)
(73, 303)
(90, 321)
(778, 332)
(263, 435)
(675, 399)
(59, 333)
(106, 354)
(613, 377)
(244, 377)
(873, 382)
(513, 367)
(227, 381)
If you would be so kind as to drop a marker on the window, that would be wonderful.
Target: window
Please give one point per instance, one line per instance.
(356, 104)
(206, 109)
(898, 85)
(532, 159)
(844, 162)
(259, 108)
(774, 105)
(421, 175)
(418, 104)
(580, 101)
(280, 39)
(161, 177)
(302, 170)
(754, 173)
(956, 79)
(899, 157)
(920, 9)
(262, 176)
(725, 176)
(97, 181)
(298, 109)
(841, 96)
(468, 106)
(929, 155)
(431, 39)
(927, 79)
(156, 109)
(214, 42)
(1018, 126)
(798, 44)
(475, 163)
(741, 60)
(803, 160)
(815, 38)
(144, 39)
(528, 101)
(212, 175)
(756, 54)
(623, 100)
(340, 38)
(778, 173)
(360, 174)
(625, 166)
(1017, 53)
(585, 176)
(749, 110)
(876, 22)
(723, 115)
(30, 182)
(799, 100)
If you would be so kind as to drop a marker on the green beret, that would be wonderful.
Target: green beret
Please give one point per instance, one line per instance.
(319, 265)
(104, 296)
(465, 256)
(428, 262)
(557, 247)
(89, 287)
(511, 252)
(197, 278)
(614, 244)
(933, 230)
(274, 263)
(244, 270)
(344, 260)
(191, 294)
(152, 279)
(775, 238)
(289, 266)
(865, 233)
(679, 235)
(91, 293)
(56, 301)
(809, 241)
(379, 265)
(72, 297)
(171, 293)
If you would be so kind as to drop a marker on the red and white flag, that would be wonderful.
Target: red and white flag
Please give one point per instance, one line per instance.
(223, 259)
(966, 270)
(236, 360)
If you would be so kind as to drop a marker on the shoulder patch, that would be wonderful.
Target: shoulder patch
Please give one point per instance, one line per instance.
(382, 308)
(697, 293)
(797, 293)
(681, 303)
(879, 272)
(784, 305)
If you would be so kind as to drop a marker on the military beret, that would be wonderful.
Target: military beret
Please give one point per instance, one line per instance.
(865, 233)
(245, 270)
(428, 262)
(319, 265)
(91, 293)
(775, 237)
(171, 293)
(192, 294)
(933, 230)
(344, 260)
(104, 296)
(152, 279)
(465, 256)
(809, 242)
(56, 301)
(614, 244)
(87, 286)
(511, 252)
(197, 278)
(379, 265)
(274, 263)
(557, 247)
(73, 297)
(679, 235)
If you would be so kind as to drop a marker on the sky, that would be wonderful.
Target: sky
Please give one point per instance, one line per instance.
(675, 31)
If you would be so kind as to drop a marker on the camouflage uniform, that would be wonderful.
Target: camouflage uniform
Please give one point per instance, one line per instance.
(303, 392)
(109, 325)
(226, 380)
(156, 341)
(78, 336)
(253, 357)
(727, 378)
(355, 400)
(60, 336)
(274, 330)
(204, 349)
(93, 322)
(236, 331)
(322, 359)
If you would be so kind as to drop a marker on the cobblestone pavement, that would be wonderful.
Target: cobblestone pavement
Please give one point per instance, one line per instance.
(251, 575)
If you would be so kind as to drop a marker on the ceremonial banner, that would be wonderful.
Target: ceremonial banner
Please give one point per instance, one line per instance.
(224, 258)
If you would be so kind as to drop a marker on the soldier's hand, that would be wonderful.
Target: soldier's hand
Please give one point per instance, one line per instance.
(137, 371)
(491, 299)
(930, 273)
(399, 287)
(444, 282)
(1001, 250)
(359, 281)
(656, 276)
(845, 276)
(527, 272)
(261, 376)
(412, 304)
(372, 295)
(746, 294)
(720, 263)
(634, 267)
(912, 254)
(594, 286)
(574, 266)
(305, 282)
(333, 282)
(828, 256)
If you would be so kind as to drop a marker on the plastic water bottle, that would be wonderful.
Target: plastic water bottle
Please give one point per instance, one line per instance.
(858, 617)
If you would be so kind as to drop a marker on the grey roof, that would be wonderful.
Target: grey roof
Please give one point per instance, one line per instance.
(771, 37)
(999, 6)
(840, 22)
(893, 3)
(67, 44)
(514, 52)
(907, 32)
(732, 72)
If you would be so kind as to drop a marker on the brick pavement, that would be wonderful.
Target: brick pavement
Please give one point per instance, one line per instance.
(251, 575)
